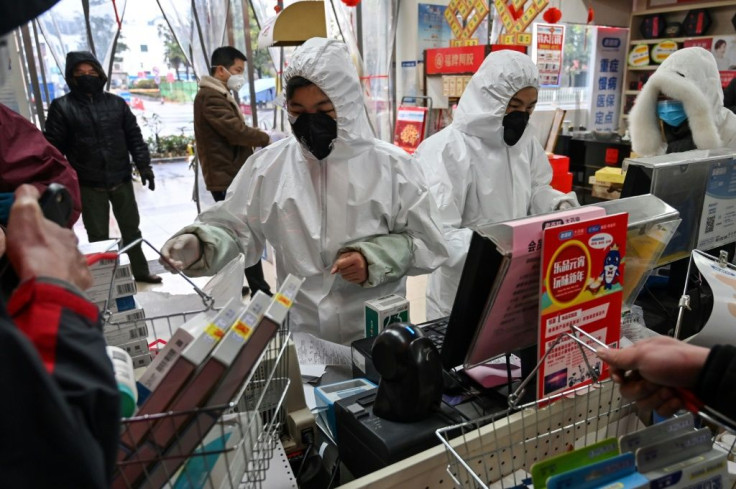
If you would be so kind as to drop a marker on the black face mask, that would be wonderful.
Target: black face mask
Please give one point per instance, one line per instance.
(316, 132)
(89, 83)
(514, 124)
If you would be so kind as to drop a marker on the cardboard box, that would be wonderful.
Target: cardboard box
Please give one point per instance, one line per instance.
(610, 175)
(120, 304)
(383, 311)
(605, 190)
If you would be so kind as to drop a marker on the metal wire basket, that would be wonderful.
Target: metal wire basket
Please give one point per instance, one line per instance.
(236, 440)
(498, 450)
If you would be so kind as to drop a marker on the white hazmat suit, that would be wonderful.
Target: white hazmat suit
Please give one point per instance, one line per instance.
(691, 76)
(475, 177)
(366, 195)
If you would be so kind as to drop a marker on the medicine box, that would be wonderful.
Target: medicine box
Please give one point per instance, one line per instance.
(383, 311)
(326, 395)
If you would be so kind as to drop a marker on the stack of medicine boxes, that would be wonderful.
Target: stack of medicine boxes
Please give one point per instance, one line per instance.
(126, 327)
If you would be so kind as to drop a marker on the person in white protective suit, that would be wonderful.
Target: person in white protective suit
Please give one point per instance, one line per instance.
(485, 167)
(350, 214)
(681, 107)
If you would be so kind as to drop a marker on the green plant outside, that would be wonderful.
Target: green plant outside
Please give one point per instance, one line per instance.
(169, 146)
(178, 91)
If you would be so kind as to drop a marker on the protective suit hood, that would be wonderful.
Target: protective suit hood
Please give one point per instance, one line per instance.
(691, 76)
(483, 105)
(327, 64)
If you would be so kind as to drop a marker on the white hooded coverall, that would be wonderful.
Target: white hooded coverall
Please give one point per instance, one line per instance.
(691, 76)
(475, 177)
(366, 195)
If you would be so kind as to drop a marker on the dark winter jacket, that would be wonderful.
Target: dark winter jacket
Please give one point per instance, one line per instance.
(715, 386)
(96, 133)
(26, 157)
(729, 96)
(60, 412)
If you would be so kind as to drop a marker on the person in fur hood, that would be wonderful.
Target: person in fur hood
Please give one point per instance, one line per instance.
(659, 124)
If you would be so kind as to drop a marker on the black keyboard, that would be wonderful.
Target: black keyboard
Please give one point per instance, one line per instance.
(435, 331)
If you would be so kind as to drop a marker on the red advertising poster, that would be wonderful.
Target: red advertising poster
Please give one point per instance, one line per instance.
(582, 285)
(726, 77)
(547, 51)
(409, 130)
(447, 61)
(705, 43)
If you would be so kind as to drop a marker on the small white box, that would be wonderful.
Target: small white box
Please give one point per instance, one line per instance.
(383, 311)
(135, 347)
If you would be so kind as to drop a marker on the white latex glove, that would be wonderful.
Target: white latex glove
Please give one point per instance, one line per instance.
(276, 136)
(181, 252)
(564, 205)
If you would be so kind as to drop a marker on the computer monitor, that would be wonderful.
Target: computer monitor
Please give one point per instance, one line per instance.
(474, 331)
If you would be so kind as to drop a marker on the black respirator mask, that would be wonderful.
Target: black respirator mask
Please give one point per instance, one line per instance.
(89, 83)
(316, 132)
(514, 124)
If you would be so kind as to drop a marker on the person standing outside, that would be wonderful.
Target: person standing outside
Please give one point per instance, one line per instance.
(223, 139)
(98, 133)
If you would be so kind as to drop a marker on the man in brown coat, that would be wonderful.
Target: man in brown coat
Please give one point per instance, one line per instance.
(224, 141)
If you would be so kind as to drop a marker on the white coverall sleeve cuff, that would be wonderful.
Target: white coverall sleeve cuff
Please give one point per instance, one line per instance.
(389, 257)
(218, 248)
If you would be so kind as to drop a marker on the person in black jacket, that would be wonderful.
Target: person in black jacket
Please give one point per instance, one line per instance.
(60, 411)
(650, 369)
(97, 132)
(729, 96)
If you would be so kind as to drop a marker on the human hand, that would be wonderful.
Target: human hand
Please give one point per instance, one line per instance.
(180, 252)
(38, 247)
(649, 371)
(147, 176)
(351, 266)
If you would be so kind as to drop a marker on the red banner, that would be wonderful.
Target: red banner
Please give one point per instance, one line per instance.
(445, 61)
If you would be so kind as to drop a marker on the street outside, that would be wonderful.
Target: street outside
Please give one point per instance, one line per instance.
(178, 118)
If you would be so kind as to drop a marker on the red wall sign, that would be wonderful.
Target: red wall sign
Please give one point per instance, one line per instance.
(464, 59)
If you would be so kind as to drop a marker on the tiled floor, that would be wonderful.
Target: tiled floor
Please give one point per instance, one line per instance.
(170, 207)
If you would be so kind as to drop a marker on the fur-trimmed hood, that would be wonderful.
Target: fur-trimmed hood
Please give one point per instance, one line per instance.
(691, 76)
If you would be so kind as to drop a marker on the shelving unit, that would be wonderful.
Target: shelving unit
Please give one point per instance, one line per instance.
(721, 13)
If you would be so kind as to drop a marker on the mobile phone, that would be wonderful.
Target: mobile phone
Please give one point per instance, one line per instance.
(57, 206)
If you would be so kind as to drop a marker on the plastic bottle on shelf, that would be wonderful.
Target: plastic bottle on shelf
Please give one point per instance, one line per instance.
(124, 375)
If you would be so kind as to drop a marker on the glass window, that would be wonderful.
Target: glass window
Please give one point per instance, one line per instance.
(144, 48)
(574, 88)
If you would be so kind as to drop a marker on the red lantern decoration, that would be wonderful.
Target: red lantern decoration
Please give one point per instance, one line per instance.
(591, 15)
(351, 3)
(552, 15)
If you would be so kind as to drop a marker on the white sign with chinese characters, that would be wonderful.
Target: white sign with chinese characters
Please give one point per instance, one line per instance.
(608, 70)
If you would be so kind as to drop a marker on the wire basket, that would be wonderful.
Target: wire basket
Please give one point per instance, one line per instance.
(498, 450)
(236, 441)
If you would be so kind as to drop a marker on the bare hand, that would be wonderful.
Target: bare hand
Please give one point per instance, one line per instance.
(352, 267)
(181, 252)
(38, 247)
(649, 369)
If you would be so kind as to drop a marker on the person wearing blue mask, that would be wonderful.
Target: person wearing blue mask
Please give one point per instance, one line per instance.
(681, 107)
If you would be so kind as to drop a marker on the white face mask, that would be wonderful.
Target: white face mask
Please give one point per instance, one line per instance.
(235, 82)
